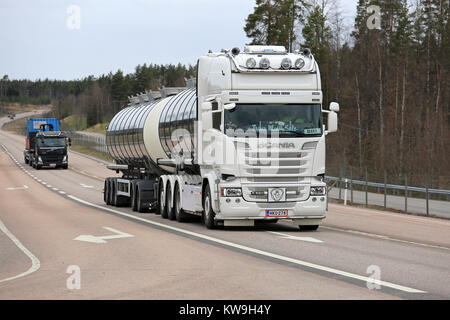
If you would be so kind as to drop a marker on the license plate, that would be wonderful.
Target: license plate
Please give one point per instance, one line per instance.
(277, 213)
(52, 164)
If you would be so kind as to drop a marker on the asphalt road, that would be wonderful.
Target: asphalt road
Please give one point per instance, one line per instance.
(43, 213)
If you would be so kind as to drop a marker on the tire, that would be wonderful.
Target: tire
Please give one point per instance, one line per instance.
(180, 215)
(309, 228)
(162, 201)
(25, 160)
(169, 204)
(140, 208)
(208, 213)
(106, 191)
(133, 198)
(65, 167)
(112, 192)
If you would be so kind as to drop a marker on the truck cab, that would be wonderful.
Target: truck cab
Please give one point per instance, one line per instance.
(45, 146)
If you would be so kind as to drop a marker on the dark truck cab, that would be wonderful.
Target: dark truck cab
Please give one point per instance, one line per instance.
(46, 146)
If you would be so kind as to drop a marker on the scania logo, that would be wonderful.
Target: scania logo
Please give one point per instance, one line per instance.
(281, 145)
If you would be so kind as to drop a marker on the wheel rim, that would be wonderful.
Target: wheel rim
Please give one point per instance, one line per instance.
(177, 202)
(207, 206)
(169, 195)
(161, 200)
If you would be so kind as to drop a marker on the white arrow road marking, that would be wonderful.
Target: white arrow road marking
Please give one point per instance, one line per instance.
(101, 239)
(18, 188)
(85, 186)
(290, 237)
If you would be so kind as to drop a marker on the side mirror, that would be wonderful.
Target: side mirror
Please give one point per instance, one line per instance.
(229, 106)
(70, 142)
(334, 106)
(206, 106)
(332, 122)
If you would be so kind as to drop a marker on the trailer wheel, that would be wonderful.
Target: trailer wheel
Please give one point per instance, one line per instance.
(112, 192)
(106, 191)
(180, 215)
(133, 196)
(169, 203)
(208, 212)
(139, 204)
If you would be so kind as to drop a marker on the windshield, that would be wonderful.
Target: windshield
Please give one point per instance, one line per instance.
(51, 142)
(278, 120)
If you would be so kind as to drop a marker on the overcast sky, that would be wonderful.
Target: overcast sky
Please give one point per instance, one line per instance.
(41, 38)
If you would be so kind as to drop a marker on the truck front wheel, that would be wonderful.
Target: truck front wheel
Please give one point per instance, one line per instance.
(208, 213)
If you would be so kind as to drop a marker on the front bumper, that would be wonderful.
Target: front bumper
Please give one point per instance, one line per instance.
(238, 208)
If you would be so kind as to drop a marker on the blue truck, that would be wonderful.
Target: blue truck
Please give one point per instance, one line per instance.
(46, 145)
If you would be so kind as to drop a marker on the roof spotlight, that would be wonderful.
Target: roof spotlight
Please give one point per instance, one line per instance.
(299, 63)
(264, 63)
(286, 63)
(250, 63)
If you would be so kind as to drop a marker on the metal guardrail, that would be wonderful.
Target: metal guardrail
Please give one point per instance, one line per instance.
(390, 186)
(347, 184)
(95, 142)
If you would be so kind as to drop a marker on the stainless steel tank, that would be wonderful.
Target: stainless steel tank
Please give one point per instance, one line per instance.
(140, 134)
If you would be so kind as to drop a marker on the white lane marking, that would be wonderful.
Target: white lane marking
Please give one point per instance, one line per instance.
(35, 263)
(102, 239)
(291, 237)
(86, 186)
(260, 252)
(55, 189)
(62, 192)
(18, 188)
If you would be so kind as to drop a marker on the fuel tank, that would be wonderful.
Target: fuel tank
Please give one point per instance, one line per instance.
(141, 133)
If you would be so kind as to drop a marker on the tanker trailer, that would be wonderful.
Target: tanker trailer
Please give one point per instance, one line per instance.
(246, 144)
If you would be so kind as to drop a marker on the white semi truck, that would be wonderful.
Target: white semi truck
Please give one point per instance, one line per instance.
(246, 145)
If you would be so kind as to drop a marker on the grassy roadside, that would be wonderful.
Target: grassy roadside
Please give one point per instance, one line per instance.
(18, 108)
(91, 152)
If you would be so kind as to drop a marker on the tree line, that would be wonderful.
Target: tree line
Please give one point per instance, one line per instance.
(97, 99)
(390, 73)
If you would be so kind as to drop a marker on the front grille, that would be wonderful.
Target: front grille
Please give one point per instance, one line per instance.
(275, 163)
(294, 193)
(52, 159)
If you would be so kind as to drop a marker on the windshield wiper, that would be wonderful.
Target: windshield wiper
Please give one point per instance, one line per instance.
(297, 133)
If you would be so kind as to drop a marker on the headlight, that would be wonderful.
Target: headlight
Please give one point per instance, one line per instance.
(64, 159)
(286, 63)
(251, 63)
(231, 192)
(39, 159)
(264, 63)
(317, 191)
(299, 63)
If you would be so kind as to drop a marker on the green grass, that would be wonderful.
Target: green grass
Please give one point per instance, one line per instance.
(91, 152)
(74, 122)
(98, 128)
(16, 126)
